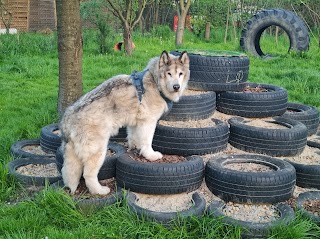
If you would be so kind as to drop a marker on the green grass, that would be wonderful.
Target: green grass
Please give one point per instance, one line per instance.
(28, 101)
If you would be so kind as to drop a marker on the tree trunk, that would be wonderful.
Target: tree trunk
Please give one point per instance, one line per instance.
(207, 32)
(180, 30)
(127, 37)
(69, 52)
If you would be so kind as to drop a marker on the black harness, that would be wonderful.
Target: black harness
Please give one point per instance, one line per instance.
(137, 82)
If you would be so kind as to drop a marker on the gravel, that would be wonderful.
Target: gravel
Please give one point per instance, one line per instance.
(40, 170)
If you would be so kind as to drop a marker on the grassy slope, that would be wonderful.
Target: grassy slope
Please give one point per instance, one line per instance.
(28, 96)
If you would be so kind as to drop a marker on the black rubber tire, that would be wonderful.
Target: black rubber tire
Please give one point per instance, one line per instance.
(31, 180)
(90, 205)
(191, 141)
(287, 20)
(193, 107)
(159, 178)
(253, 229)
(314, 142)
(166, 217)
(18, 152)
(306, 114)
(121, 136)
(272, 142)
(311, 195)
(250, 187)
(254, 104)
(217, 73)
(49, 141)
(308, 176)
(108, 168)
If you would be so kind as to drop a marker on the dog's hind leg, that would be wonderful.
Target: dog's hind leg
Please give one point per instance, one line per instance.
(92, 164)
(133, 137)
(144, 133)
(72, 168)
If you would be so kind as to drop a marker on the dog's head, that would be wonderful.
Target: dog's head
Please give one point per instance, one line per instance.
(174, 74)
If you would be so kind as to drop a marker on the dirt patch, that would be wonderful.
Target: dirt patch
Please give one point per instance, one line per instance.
(256, 89)
(134, 154)
(309, 156)
(315, 138)
(189, 124)
(57, 132)
(247, 167)
(188, 92)
(35, 149)
(265, 123)
(164, 203)
(82, 191)
(39, 170)
(312, 206)
(257, 213)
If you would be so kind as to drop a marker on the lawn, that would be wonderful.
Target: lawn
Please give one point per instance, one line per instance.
(28, 101)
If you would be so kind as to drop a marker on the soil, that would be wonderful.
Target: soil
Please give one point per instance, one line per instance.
(57, 132)
(312, 206)
(309, 156)
(134, 154)
(40, 170)
(189, 124)
(164, 203)
(188, 92)
(265, 123)
(247, 167)
(82, 191)
(35, 149)
(256, 89)
(257, 213)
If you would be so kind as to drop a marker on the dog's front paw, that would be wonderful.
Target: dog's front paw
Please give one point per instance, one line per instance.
(153, 156)
(103, 190)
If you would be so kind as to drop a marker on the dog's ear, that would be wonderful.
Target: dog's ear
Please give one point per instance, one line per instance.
(164, 59)
(184, 58)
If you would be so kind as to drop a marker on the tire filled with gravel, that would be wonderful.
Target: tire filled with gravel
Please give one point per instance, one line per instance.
(234, 178)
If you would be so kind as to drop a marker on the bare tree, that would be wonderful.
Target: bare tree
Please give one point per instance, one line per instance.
(125, 11)
(182, 9)
(6, 16)
(69, 52)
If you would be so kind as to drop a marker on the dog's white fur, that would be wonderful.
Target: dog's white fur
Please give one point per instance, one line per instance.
(87, 124)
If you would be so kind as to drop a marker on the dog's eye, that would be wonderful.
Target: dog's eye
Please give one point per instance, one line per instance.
(180, 74)
(169, 73)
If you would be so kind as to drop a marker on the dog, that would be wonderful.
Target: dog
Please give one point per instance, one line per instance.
(121, 101)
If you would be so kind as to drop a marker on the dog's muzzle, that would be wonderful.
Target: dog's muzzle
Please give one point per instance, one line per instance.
(176, 87)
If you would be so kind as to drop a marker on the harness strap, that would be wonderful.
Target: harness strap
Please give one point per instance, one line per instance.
(137, 82)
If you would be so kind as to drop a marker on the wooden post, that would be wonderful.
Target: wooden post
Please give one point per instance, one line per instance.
(207, 32)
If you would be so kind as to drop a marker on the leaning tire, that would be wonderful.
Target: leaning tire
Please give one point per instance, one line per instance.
(217, 70)
(191, 141)
(306, 114)
(250, 187)
(108, 168)
(252, 229)
(254, 104)
(49, 140)
(159, 178)
(166, 217)
(302, 198)
(288, 21)
(17, 150)
(31, 180)
(272, 142)
(193, 107)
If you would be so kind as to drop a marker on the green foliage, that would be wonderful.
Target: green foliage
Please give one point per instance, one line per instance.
(96, 13)
(163, 31)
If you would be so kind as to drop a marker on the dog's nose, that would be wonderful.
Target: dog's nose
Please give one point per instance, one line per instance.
(176, 87)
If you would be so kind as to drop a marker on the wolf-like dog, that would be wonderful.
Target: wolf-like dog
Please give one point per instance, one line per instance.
(87, 124)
